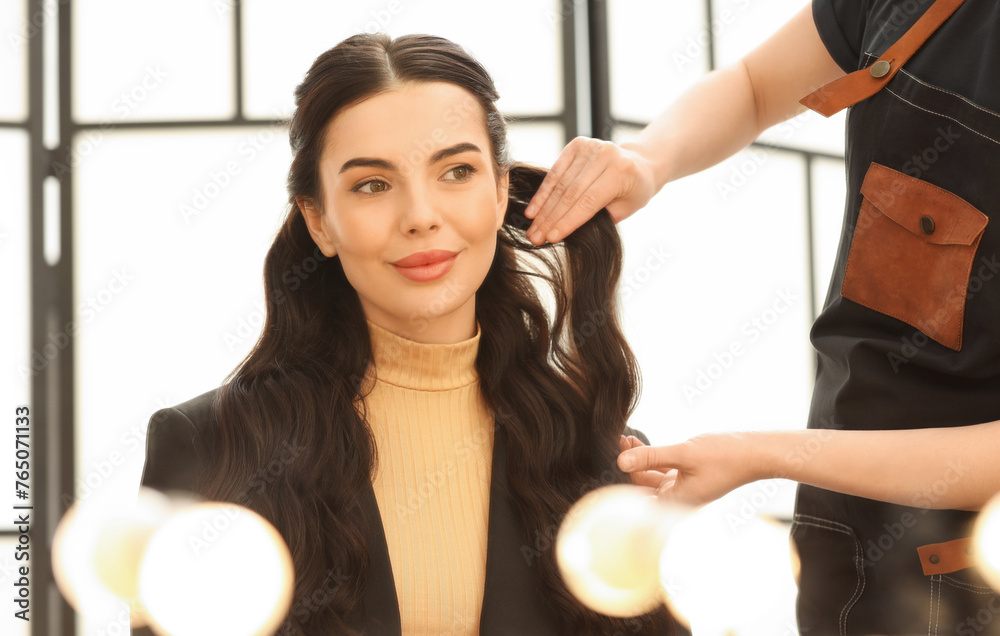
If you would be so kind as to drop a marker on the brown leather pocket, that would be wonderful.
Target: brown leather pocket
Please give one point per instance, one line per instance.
(912, 252)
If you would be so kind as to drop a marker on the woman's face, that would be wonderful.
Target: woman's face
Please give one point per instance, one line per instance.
(408, 179)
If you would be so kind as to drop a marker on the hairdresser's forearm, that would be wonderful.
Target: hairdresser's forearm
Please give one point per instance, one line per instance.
(944, 468)
(729, 108)
(711, 121)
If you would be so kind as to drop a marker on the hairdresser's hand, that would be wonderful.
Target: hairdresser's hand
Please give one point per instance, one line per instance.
(590, 174)
(694, 472)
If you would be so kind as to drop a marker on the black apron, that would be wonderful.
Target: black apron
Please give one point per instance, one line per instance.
(909, 337)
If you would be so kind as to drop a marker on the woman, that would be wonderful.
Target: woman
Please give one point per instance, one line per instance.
(905, 418)
(413, 420)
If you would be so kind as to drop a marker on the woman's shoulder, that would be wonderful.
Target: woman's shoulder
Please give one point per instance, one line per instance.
(176, 443)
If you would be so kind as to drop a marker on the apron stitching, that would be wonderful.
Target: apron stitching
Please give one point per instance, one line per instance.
(942, 115)
(947, 92)
(846, 529)
(860, 587)
(969, 587)
(937, 619)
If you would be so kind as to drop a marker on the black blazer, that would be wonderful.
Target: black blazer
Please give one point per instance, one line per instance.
(512, 598)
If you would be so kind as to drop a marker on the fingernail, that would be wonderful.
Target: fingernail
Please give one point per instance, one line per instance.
(627, 462)
(534, 236)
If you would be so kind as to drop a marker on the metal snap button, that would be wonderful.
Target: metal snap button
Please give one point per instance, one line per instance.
(880, 68)
(933, 558)
(927, 224)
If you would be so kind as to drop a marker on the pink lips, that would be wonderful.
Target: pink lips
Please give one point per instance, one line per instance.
(424, 266)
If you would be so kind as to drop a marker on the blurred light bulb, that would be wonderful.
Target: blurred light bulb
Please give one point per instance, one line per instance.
(216, 568)
(751, 565)
(986, 542)
(608, 547)
(97, 547)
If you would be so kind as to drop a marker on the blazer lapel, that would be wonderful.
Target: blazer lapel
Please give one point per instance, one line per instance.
(380, 615)
(512, 597)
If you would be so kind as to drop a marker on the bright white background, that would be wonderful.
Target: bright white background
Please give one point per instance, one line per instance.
(710, 255)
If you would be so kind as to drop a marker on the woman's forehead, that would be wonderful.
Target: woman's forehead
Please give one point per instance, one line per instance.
(411, 120)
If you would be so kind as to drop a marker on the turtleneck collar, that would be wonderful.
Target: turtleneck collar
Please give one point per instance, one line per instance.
(421, 366)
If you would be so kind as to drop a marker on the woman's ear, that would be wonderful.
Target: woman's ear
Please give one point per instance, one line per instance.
(503, 193)
(314, 221)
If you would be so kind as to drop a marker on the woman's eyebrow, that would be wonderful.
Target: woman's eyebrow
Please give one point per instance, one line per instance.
(371, 162)
(454, 150)
(367, 162)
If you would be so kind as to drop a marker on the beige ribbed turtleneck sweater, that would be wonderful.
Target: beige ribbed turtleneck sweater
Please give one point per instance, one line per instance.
(435, 442)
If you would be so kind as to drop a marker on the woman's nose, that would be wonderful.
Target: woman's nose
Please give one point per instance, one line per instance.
(420, 213)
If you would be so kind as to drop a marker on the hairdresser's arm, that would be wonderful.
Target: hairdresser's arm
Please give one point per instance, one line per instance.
(714, 119)
(946, 468)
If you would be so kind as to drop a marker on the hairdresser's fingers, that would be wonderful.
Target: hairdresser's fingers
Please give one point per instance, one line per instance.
(622, 182)
(564, 184)
(574, 189)
(660, 458)
(629, 442)
(604, 190)
(625, 443)
(569, 155)
(652, 478)
(616, 178)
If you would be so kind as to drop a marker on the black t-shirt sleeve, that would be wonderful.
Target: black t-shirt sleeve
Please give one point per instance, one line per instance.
(841, 26)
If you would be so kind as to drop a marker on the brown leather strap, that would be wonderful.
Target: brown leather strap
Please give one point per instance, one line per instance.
(947, 557)
(863, 83)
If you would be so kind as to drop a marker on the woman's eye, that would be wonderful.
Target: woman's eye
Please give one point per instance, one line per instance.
(371, 187)
(460, 173)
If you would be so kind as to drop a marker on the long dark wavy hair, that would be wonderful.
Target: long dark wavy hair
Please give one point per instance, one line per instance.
(560, 383)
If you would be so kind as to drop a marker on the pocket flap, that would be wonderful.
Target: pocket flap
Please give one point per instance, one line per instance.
(907, 200)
